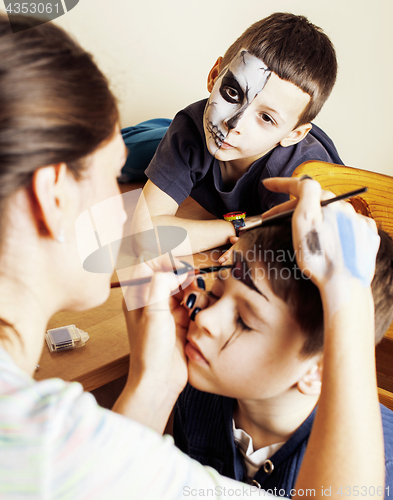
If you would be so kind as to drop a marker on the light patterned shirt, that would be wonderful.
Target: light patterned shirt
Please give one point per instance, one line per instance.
(57, 443)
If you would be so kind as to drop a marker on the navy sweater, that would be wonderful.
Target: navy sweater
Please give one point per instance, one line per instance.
(203, 430)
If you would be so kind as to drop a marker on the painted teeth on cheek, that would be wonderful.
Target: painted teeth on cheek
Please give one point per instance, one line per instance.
(217, 135)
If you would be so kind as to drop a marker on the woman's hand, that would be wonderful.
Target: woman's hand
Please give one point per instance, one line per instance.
(332, 241)
(156, 329)
(338, 249)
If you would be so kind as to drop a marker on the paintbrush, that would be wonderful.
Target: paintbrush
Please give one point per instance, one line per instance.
(186, 269)
(257, 220)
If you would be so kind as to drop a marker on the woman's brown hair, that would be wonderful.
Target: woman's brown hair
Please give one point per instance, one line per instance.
(55, 104)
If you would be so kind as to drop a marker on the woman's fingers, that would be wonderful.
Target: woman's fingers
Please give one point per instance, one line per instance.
(283, 207)
(314, 233)
(370, 222)
(141, 295)
(196, 299)
(326, 195)
(308, 212)
(162, 286)
(332, 240)
(291, 186)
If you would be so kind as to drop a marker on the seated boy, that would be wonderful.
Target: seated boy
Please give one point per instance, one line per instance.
(255, 357)
(265, 91)
(345, 450)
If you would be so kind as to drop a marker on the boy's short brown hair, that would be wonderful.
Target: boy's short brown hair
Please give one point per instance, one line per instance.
(297, 51)
(271, 248)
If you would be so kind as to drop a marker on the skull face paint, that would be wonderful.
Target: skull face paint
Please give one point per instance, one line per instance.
(236, 87)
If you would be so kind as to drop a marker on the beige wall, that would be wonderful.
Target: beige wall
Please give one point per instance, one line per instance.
(157, 54)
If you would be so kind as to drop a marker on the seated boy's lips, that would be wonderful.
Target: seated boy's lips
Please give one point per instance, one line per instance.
(226, 145)
(192, 351)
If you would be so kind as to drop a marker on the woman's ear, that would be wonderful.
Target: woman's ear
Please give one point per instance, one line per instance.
(213, 74)
(48, 198)
(296, 135)
(311, 382)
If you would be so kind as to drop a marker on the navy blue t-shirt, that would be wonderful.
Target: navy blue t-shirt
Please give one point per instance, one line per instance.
(183, 166)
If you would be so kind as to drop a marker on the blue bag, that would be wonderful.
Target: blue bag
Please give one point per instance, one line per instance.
(141, 141)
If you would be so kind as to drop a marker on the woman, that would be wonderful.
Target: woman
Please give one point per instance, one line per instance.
(60, 154)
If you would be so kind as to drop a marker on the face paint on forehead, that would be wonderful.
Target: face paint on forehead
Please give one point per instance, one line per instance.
(236, 87)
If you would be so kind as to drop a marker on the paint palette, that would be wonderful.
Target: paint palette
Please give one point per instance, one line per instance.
(65, 337)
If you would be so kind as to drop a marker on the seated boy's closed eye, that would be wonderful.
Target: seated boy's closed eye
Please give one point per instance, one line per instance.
(249, 339)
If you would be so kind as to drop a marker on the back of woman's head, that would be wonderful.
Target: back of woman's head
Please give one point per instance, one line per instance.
(55, 104)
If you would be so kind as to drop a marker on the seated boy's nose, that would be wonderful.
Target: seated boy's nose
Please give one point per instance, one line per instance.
(232, 122)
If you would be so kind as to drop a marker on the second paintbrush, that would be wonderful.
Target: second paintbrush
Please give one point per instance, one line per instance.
(187, 269)
(275, 219)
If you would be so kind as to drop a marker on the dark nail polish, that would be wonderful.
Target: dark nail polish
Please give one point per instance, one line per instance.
(201, 283)
(194, 313)
(191, 300)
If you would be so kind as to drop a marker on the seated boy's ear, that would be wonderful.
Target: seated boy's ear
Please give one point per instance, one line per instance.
(213, 74)
(296, 135)
(311, 382)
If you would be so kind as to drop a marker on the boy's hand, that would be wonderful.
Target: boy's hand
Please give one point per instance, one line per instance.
(332, 241)
(228, 254)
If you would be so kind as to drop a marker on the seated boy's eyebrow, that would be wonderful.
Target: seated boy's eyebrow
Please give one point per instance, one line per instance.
(241, 272)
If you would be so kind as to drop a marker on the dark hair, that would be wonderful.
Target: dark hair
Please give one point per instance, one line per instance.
(382, 286)
(55, 104)
(297, 51)
(273, 250)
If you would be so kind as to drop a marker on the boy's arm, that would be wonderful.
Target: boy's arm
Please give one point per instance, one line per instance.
(345, 452)
(157, 207)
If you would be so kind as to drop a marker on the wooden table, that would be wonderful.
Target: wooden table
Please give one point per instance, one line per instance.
(384, 355)
(104, 357)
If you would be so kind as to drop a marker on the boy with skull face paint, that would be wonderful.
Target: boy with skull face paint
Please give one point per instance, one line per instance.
(235, 89)
(256, 124)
